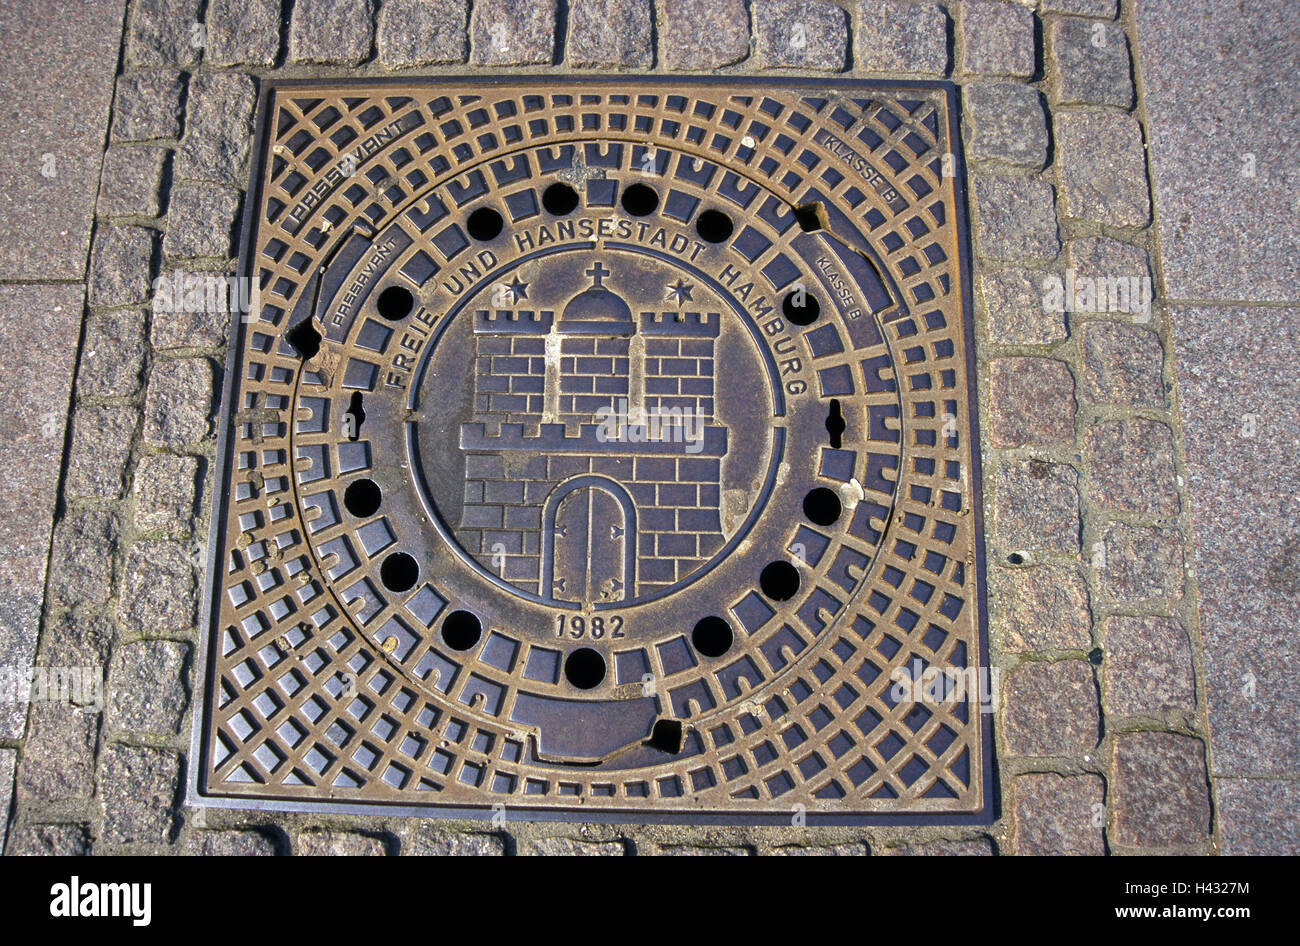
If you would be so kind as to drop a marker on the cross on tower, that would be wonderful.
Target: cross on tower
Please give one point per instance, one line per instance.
(597, 273)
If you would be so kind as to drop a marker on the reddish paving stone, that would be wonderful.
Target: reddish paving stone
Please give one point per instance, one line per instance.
(1162, 796)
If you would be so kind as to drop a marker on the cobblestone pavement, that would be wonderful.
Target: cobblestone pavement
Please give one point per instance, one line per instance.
(1136, 461)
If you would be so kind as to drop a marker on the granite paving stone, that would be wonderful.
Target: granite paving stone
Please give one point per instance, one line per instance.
(1103, 168)
(159, 591)
(702, 34)
(1013, 298)
(147, 106)
(98, 451)
(8, 760)
(138, 790)
(112, 354)
(330, 843)
(331, 32)
(421, 33)
(59, 753)
(1258, 816)
(1148, 666)
(165, 492)
(200, 222)
(45, 840)
(242, 32)
(1007, 124)
(1036, 506)
(132, 182)
(147, 690)
(901, 36)
(1106, 8)
(801, 34)
(218, 129)
(1015, 218)
(164, 33)
(997, 38)
(1058, 814)
(1130, 466)
(610, 34)
(40, 333)
(1222, 98)
(81, 562)
(423, 840)
(1161, 790)
(1121, 365)
(1092, 63)
(236, 843)
(1139, 563)
(979, 847)
(120, 266)
(1050, 709)
(59, 59)
(1042, 607)
(178, 404)
(512, 32)
(1031, 402)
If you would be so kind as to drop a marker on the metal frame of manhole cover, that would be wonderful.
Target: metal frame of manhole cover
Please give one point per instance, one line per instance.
(601, 449)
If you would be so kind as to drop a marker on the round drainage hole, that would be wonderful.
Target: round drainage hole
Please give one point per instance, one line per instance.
(560, 199)
(399, 572)
(461, 630)
(779, 581)
(801, 307)
(395, 303)
(484, 224)
(712, 636)
(361, 498)
(714, 226)
(822, 506)
(640, 200)
(584, 668)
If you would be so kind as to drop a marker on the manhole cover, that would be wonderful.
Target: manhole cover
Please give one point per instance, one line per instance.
(601, 454)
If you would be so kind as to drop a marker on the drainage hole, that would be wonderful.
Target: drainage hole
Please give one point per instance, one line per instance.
(395, 303)
(584, 668)
(560, 199)
(779, 580)
(305, 339)
(712, 636)
(666, 735)
(835, 424)
(399, 572)
(640, 200)
(461, 630)
(811, 217)
(822, 506)
(1015, 558)
(362, 498)
(484, 224)
(714, 226)
(801, 307)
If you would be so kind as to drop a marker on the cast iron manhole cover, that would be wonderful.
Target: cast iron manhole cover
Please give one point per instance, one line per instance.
(600, 450)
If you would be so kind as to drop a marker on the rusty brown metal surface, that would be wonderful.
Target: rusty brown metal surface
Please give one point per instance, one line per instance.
(600, 450)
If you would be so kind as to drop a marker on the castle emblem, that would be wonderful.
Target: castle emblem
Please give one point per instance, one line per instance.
(593, 462)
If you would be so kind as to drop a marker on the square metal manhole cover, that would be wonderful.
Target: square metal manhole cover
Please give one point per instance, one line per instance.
(601, 449)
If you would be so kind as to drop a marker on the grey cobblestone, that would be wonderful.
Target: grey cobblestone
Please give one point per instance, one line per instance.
(1103, 168)
(147, 106)
(1092, 63)
(1016, 314)
(112, 355)
(899, 36)
(571, 847)
(1141, 562)
(74, 639)
(1106, 8)
(423, 840)
(1050, 709)
(1036, 506)
(131, 182)
(979, 847)
(243, 32)
(1148, 666)
(1007, 122)
(165, 492)
(98, 451)
(706, 850)
(421, 33)
(193, 327)
(1016, 218)
(178, 405)
(147, 691)
(1102, 256)
(200, 222)
(1044, 607)
(997, 38)
(331, 32)
(218, 127)
(801, 34)
(512, 32)
(158, 589)
(163, 33)
(58, 754)
(1121, 365)
(1131, 466)
(138, 788)
(610, 34)
(317, 842)
(853, 849)
(242, 843)
(702, 34)
(1031, 402)
(120, 266)
(45, 840)
(1058, 814)
(81, 561)
(1161, 790)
